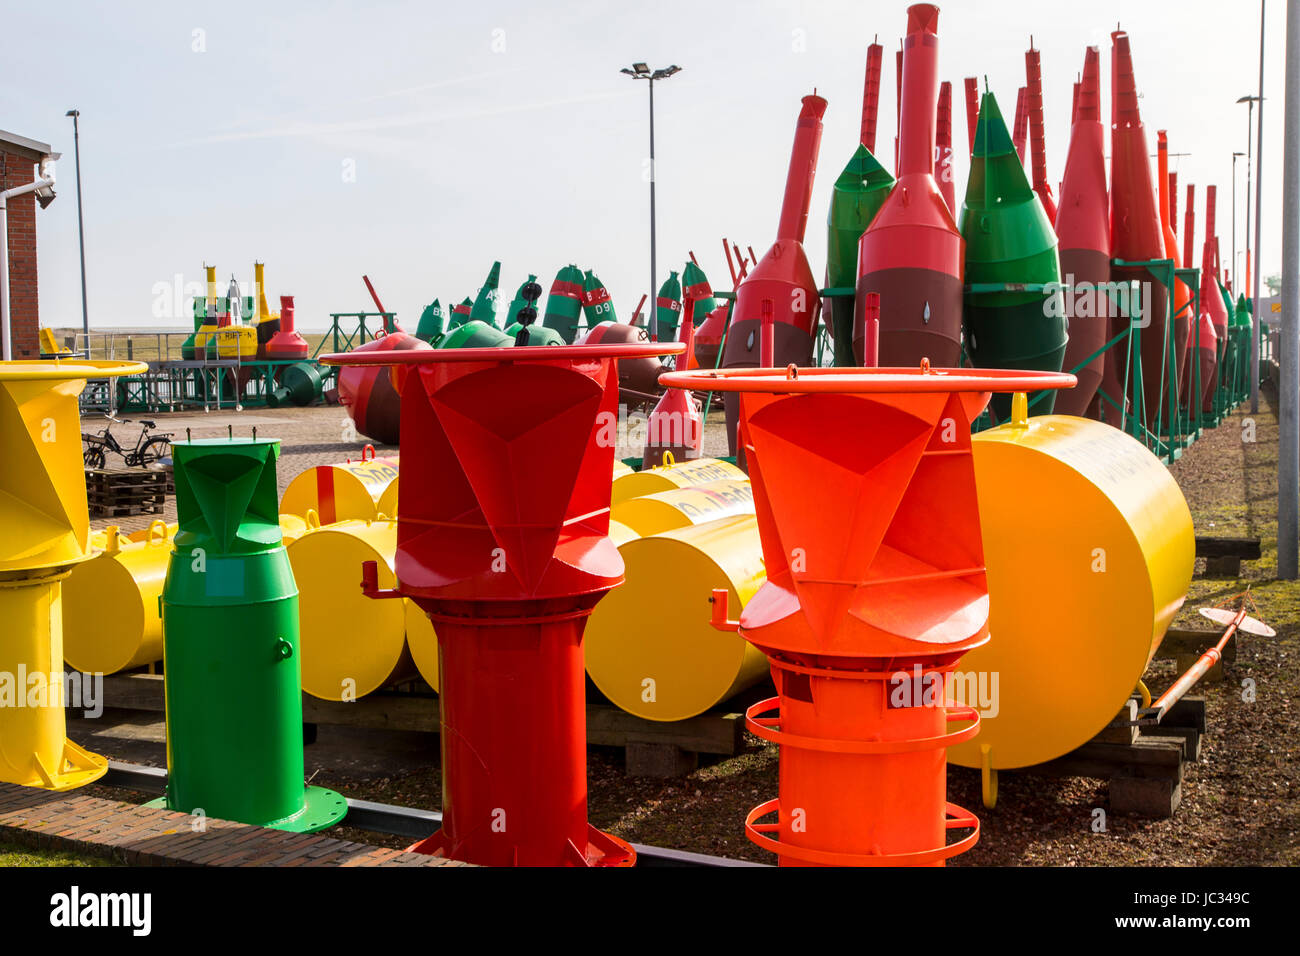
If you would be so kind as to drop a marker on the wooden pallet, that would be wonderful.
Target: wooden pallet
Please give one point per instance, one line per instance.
(1144, 765)
(114, 493)
(1223, 556)
(652, 748)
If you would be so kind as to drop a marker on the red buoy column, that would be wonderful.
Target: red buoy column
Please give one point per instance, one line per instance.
(503, 541)
(912, 254)
(875, 589)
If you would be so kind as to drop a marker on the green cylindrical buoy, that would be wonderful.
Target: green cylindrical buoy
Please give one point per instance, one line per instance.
(475, 335)
(433, 323)
(857, 196)
(698, 294)
(230, 649)
(597, 306)
(484, 308)
(564, 304)
(1009, 242)
(460, 313)
(668, 308)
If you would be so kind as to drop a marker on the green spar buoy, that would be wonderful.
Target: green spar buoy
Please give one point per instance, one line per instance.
(230, 650)
(484, 308)
(1017, 320)
(433, 323)
(597, 306)
(857, 196)
(668, 308)
(518, 302)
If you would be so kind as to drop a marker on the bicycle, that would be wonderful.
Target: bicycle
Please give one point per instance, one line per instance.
(148, 449)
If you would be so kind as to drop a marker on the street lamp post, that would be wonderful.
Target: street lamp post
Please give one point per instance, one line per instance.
(81, 231)
(1234, 216)
(641, 71)
(1259, 184)
(1250, 114)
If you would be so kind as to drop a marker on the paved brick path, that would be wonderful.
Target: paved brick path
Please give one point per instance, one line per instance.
(142, 836)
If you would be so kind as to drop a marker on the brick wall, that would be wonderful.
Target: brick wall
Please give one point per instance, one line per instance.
(17, 169)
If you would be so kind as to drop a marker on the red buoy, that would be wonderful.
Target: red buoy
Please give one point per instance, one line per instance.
(912, 254)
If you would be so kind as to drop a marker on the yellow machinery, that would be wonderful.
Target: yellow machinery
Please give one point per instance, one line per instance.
(50, 345)
(649, 645)
(683, 507)
(46, 531)
(111, 615)
(345, 491)
(351, 645)
(673, 475)
(1089, 548)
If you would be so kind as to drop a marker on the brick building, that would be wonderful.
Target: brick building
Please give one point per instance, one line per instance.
(19, 157)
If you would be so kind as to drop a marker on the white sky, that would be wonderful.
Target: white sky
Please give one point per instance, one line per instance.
(504, 131)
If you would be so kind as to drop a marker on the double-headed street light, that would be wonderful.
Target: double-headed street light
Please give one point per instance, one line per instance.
(641, 71)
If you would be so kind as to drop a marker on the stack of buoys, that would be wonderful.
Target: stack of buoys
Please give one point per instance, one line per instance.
(683, 529)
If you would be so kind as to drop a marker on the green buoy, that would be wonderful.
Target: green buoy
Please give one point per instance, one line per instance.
(856, 197)
(230, 650)
(1014, 310)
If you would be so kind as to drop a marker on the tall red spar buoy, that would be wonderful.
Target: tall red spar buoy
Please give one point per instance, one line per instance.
(874, 591)
(912, 254)
(1083, 228)
(502, 539)
(1211, 297)
(783, 276)
(943, 166)
(1037, 140)
(1135, 234)
(1183, 317)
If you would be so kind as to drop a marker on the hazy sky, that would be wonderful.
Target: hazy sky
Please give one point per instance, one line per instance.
(417, 142)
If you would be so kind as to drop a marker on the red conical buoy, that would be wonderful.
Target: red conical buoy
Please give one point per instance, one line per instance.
(912, 254)
(1037, 144)
(783, 276)
(1182, 295)
(1083, 228)
(1135, 232)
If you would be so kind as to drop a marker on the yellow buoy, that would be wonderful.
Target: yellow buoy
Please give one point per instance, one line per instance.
(111, 619)
(351, 644)
(622, 468)
(423, 643)
(677, 475)
(386, 506)
(341, 492)
(292, 527)
(620, 533)
(46, 531)
(683, 507)
(649, 645)
(1089, 548)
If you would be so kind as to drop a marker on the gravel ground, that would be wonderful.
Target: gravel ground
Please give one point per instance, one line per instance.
(1238, 805)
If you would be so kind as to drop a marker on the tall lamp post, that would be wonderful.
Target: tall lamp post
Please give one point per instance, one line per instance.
(1255, 324)
(1234, 216)
(81, 229)
(640, 71)
(1288, 471)
(1250, 102)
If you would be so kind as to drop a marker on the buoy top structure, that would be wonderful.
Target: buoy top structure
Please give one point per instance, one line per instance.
(46, 531)
(1182, 295)
(503, 540)
(43, 504)
(564, 304)
(484, 308)
(1083, 233)
(230, 619)
(780, 296)
(432, 324)
(863, 601)
(1037, 139)
(911, 254)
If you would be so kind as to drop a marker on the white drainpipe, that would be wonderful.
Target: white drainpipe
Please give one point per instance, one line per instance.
(45, 182)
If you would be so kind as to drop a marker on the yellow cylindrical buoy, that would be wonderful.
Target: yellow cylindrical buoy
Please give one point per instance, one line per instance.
(386, 506)
(46, 531)
(423, 643)
(683, 507)
(111, 616)
(344, 491)
(1089, 547)
(649, 645)
(351, 644)
(622, 468)
(676, 475)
